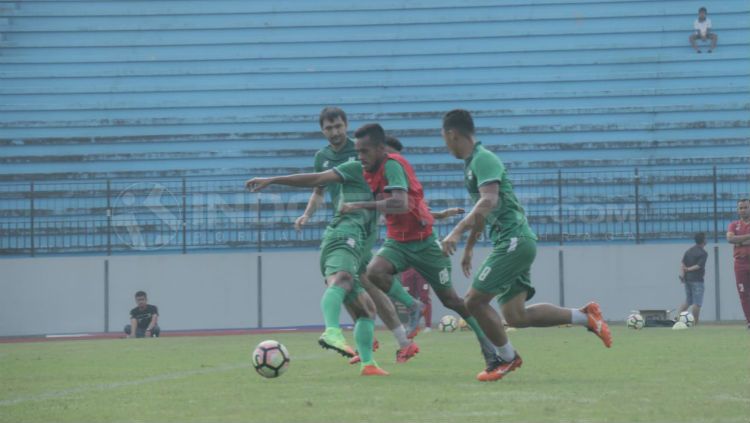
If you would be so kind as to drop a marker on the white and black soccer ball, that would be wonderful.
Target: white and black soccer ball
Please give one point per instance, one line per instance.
(687, 318)
(448, 323)
(635, 321)
(271, 359)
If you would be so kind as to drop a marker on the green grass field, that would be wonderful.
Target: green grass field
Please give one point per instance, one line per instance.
(652, 375)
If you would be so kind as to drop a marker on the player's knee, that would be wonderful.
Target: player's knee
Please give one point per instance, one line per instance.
(472, 302)
(376, 269)
(378, 275)
(343, 280)
(455, 303)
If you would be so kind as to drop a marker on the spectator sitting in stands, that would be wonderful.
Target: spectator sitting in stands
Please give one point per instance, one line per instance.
(143, 319)
(702, 27)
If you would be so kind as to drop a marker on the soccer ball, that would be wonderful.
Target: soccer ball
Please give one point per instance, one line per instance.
(635, 321)
(679, 326)
(687, 318)
(270, 359)
(448, 323)
(463, 326)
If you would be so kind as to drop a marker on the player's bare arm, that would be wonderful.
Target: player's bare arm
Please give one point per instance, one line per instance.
(316, 199)
(474, 234)
(489, 199)
(296, 180)
(449, 212)
(396, 203)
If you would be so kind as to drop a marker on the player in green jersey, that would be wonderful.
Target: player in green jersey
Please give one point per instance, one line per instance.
(340, 149)
(410, 240)
(346, 241)
(505, 274)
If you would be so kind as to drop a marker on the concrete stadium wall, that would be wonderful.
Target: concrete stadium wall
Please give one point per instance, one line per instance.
(217, 291)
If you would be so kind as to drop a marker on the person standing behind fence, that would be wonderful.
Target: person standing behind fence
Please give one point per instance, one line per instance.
(738, 234)
(144, 319)
(692, 270)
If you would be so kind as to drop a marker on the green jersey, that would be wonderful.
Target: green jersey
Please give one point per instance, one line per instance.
(327, 159)
(508, 218)
(361, 224)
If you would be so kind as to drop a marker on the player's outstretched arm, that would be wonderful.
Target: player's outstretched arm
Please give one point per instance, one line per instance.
(396, 203)
(296, 180)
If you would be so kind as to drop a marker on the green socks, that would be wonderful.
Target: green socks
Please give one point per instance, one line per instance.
(364, 332)
(474, 325)
(398, 293)
(331, 303)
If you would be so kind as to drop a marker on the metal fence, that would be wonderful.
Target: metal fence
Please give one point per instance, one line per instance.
(116, 216)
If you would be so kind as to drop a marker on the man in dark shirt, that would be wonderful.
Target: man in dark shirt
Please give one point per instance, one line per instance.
(143, 319)
(692, 269)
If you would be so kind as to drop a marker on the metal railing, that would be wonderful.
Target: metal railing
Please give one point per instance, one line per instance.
(117, 216)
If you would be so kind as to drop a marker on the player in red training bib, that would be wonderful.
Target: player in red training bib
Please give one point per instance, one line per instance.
(410, 241)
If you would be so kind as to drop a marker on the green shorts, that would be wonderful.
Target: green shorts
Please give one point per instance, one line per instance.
(506, 272)
(342, 254)
(425, 256)
(366, 258)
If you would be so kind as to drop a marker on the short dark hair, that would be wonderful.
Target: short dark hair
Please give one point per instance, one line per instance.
(700, 238)
(460, 120)
(373, 131)
(394, 143)
(140, 294)
(331, 113)
(702, 9)
(743, 200)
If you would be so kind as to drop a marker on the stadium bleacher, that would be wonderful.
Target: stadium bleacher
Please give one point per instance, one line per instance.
(612, 126)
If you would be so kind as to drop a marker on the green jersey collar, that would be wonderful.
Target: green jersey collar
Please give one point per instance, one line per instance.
(468, 160)
(349, 144)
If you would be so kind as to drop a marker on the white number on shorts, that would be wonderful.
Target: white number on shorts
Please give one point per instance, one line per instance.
(740, 287)
(483, 275)
(444, 276)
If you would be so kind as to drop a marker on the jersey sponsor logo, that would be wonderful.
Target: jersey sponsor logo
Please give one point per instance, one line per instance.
(483, 274)
(513, 244)
(445, 276)
(351, 242)
(352, 158)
